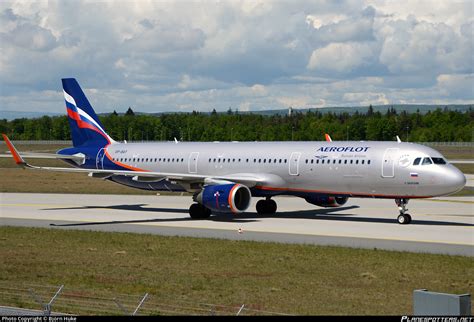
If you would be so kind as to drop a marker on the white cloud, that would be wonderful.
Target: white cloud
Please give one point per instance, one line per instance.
(366, 98)
(341, 57)
(248, 54)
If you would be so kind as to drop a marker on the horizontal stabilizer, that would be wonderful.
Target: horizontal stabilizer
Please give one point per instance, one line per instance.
(34, 155)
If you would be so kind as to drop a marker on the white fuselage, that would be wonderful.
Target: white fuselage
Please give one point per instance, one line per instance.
(363, 169)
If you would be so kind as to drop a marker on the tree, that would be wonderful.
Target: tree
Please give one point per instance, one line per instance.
(130, 112)
(370, 112)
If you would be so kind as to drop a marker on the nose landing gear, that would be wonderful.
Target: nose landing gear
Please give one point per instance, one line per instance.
(403, 218)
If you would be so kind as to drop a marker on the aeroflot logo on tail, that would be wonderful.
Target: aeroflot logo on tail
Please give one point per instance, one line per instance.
(343, 149)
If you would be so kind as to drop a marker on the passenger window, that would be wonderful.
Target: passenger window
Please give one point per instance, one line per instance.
(357, 161)
(317, 161)
(345, 161)
(363, 161)
(427, 161)
(312, 161)
(417, 161)
(368, 161)
(340, 161)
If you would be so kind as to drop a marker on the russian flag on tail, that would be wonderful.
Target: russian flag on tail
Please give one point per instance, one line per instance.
(86, 128)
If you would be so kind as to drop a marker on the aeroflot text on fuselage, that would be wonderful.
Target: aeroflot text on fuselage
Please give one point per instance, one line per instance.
(343, 149)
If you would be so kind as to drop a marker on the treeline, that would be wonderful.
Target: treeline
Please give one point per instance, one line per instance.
(439, 125)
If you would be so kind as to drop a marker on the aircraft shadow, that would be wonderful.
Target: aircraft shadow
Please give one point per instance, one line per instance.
(331, 214)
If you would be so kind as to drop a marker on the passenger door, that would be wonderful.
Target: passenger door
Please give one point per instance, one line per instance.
(192, 162)
(388, 162)
(294, 163)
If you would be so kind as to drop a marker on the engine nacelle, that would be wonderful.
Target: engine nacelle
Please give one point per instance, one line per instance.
(233, 197)
(326, 200)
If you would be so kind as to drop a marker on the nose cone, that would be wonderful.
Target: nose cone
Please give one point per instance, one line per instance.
(454, 180)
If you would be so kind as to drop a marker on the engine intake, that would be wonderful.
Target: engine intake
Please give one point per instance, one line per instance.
(327, 201)
(233, 197)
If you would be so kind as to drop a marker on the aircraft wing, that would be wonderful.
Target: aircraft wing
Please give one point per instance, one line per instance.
(248, 179)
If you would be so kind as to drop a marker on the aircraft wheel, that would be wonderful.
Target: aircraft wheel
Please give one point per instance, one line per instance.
(195, 210)
(408, 218)
(198, 211)
(404, 219)
(206, 212)
(261, 209)
(271, 206)
(266, 207)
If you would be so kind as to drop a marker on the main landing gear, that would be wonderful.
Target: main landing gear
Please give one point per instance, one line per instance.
(403, 218)
(266, 207)
(198, 211)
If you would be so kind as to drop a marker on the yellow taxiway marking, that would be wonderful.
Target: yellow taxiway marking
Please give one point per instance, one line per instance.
(33, 205)
(455, 201)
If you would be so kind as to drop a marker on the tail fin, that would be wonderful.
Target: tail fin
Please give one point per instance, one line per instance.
(86, 128)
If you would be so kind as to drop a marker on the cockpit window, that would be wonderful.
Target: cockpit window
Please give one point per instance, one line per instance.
(417, 161)
(427, 161)
(438, 160)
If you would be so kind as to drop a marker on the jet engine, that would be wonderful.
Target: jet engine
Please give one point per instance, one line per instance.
(232, 197)
(326, 200)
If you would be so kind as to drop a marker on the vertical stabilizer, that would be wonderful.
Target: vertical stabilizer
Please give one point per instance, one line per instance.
(86, 129)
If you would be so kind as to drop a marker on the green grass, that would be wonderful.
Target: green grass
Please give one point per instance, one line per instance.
(297, 279)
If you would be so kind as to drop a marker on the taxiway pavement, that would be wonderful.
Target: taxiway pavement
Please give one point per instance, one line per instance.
(441, 225)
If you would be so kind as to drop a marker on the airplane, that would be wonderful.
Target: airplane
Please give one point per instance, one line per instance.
(224, 176)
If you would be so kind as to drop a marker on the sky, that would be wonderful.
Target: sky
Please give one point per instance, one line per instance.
(165, 56)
